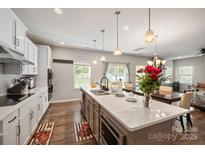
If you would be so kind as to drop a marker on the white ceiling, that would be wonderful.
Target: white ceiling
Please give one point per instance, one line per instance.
(181, 31)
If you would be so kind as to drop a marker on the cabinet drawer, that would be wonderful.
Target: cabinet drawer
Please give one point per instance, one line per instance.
(10, 121)
(96, 106)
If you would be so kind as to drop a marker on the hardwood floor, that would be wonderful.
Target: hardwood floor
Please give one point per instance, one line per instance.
(65, 114)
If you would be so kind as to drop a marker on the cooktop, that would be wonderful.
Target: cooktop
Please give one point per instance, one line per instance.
(13, 99)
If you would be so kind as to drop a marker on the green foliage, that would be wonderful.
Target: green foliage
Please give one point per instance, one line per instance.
(147, 85)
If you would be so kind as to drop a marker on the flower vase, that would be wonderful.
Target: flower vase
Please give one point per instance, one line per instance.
(147, 100)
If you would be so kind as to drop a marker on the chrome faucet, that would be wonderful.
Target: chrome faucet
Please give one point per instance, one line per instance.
(104, 86)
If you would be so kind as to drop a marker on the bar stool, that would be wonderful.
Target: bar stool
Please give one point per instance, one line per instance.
(185, 103)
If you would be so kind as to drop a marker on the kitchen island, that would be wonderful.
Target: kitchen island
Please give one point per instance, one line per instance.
(113, 120)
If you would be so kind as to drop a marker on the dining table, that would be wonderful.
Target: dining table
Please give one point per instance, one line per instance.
(162, 97)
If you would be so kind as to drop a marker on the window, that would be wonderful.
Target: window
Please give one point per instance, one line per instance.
(137, 68)
(115, 72)
(81, 75)
(186, 74)
(168, 74)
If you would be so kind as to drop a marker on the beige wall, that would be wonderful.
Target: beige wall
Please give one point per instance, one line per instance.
(198, 64)
(63, 73)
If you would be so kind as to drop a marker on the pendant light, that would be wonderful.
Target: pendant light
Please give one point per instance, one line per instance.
(149, 34)
(156, 62)
(94, 46)
(117, 51)
(102, 45)
(94, 43)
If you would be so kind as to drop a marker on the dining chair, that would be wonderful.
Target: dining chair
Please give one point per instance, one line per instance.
(165, 90)
(128, 86)
(185, 103)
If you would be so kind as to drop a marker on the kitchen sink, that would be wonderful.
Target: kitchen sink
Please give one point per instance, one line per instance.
(99, 92)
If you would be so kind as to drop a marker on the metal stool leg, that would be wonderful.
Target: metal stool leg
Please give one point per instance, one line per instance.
(182, 123)
(189, 119)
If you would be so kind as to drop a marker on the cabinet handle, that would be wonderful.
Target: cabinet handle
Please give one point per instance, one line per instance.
(14, 118)
(33, 114)
(18, 130)
(31, 117)
(17, 42)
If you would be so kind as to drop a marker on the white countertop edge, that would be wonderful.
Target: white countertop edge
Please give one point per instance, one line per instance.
(11, 109)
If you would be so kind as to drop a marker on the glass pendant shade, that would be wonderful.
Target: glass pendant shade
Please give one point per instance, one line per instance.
(158, 62)
(163, 62)
(150, 63)
(117, 52)
(149, 36)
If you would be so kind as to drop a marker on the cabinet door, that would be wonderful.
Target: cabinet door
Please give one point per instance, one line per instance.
(90, 116)
(50, 60)
(35, 58)
(86, 109)
(34, 113)
(96, 125)
(25, 128)
(25, 68)
(40, 107)
(10, 137)
(20, 37)
(45, 101)
(6, 28)
(31, 57)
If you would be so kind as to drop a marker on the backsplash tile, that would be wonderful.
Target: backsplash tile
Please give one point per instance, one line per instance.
(4, 79)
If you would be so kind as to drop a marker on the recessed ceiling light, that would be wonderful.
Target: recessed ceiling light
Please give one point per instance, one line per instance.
(58, 11)
(125, 27)
(62, 43)
(179, 57)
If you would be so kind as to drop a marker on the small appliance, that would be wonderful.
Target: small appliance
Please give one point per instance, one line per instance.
(31, 83)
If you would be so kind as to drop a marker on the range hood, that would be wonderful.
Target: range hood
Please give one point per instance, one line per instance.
(8, 55)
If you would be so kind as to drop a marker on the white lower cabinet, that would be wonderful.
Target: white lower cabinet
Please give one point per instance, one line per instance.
(42, 104)
(24, 123)
(10, 129)
(18, 127)
(30, 115)
(28, 120)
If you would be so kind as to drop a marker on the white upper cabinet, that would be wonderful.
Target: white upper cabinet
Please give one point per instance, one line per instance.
(7, 28)
(20, 35)
(12, 31)
(31, 53)
(50, 60)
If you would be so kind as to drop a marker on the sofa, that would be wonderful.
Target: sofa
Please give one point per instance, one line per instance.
(201, 88)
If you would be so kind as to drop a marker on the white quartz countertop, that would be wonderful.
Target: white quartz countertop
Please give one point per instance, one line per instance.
(6, 110)
(133, 115)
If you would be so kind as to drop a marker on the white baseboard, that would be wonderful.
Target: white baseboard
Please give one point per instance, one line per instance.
(65, 100)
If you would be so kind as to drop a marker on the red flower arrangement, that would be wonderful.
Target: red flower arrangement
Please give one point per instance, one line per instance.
(150, 78)
(153, 71)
